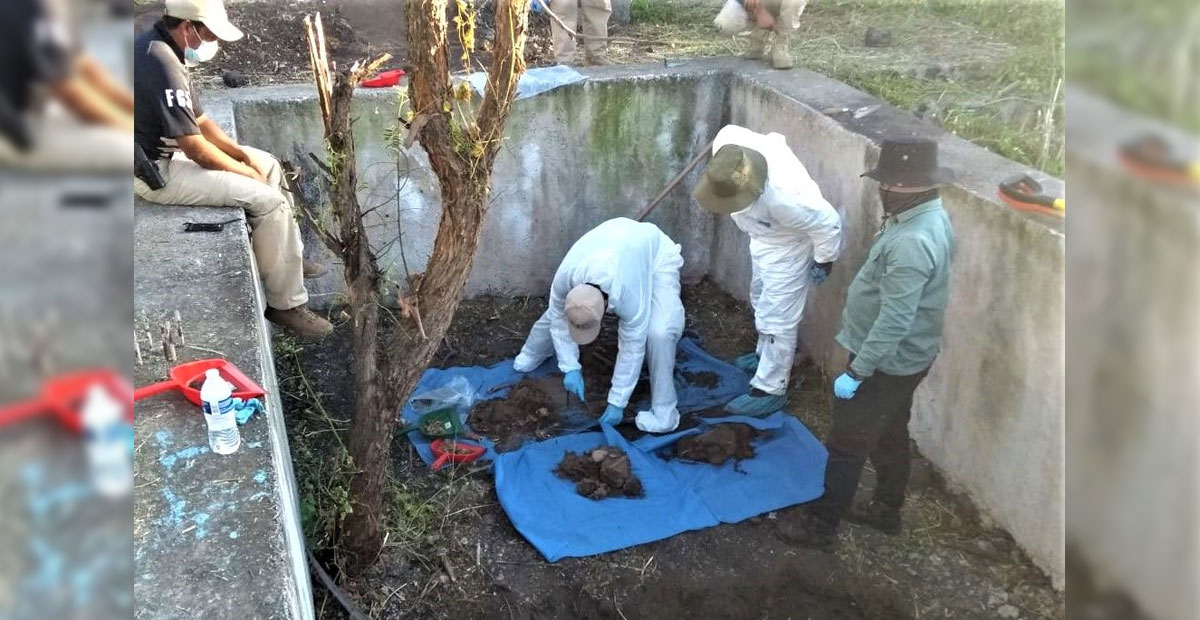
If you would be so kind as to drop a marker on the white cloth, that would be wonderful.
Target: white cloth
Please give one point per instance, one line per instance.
(791, 226)
(637, 266)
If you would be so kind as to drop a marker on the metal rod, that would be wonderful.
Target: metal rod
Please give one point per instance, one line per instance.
(679, 177)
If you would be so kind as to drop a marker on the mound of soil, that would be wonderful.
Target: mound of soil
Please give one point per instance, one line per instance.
(704, 378)
(718, 444)
(600, 473)
(529, 410)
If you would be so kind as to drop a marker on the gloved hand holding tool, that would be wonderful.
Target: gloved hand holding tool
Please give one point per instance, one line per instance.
(845, 386)
(820, 272)
(573, 381)
(612, 415)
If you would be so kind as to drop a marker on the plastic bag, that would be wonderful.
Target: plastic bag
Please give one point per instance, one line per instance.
(458, 393)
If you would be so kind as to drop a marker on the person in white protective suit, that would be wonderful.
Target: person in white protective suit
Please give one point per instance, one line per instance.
(795, 236)
(632, 270)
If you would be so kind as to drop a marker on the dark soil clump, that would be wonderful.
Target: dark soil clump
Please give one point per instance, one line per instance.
(719, 444)
(705, 378)
(600, 473)
(527, 411)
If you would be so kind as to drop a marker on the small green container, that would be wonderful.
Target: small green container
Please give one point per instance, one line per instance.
(443, 422)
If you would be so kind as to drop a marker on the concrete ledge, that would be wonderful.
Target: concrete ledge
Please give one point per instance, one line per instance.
(215, 536)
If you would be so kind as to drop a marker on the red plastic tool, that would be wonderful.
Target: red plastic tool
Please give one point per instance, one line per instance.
(1152, 157)
(452, 451)
(184, 376)
(63, 398)
(384, 79)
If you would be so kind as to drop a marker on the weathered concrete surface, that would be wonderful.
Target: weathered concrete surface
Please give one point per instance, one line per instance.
(65, 551)
(565, 168)
(215, 536)
(1134, 378)
(991, 413)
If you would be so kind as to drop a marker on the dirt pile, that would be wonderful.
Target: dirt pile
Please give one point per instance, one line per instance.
(600, 473)
(599, 359)
(529, 410)
(719, 444)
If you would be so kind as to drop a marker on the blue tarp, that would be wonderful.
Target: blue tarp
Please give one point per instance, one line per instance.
(788, 468)
(534, 81)
(494, 381)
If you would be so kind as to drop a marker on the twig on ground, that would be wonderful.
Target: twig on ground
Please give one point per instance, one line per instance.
(342, 598)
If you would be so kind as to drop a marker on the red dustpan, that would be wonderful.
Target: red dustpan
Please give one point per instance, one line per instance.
(384, 79)
(184, 378)
(63, 397)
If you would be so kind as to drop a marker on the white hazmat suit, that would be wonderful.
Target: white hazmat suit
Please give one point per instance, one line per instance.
(637, 266)
(791, 226)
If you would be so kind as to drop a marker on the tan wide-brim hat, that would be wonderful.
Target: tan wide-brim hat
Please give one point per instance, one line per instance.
(211, 13)
(732, 180)
(584, 309)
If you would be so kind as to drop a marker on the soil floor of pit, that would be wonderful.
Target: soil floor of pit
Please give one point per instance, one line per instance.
(946, 564)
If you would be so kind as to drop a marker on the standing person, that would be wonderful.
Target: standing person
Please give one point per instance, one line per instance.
(595, 15)
(795, 235)
(892, 326)
(771, 24)
(200, 165)
(60, 110)
(632, 270)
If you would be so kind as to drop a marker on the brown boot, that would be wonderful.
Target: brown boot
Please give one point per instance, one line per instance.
(300, 321)
(756, 47)
(313, 270)
(781, 53)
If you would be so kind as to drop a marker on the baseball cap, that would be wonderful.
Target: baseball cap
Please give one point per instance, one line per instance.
(211, 13)
(584, 310)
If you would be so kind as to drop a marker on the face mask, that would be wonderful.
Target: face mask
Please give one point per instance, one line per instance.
(203, 52)
(895, 202)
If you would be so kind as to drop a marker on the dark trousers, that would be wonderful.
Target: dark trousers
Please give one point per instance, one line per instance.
(874, 425)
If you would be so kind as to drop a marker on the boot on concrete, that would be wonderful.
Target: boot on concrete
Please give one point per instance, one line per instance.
(781, 53)
(300, 321)
(757, 47)
(313, 270)
(877, 516)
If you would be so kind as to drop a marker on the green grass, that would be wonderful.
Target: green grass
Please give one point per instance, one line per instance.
(1006, 57)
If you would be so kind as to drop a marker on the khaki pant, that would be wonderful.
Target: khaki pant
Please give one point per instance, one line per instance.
(595, 24)
(274, 235)
(65, 144)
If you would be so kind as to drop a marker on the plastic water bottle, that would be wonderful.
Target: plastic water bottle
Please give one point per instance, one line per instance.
(216, 396)
(106, 436)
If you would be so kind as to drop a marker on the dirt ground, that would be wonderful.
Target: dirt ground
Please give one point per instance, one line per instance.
(274, 49)
(948, 563)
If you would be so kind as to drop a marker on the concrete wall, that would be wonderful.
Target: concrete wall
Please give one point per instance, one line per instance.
(1134, 378)
(575, 157)
(990, 416)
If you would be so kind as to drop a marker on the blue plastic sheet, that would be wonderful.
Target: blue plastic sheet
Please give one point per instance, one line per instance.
(788, 468)
(534, 81)
(495, 381)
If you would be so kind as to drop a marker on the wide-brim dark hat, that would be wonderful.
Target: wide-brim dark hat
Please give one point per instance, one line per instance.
(909, 162)
(734, 178)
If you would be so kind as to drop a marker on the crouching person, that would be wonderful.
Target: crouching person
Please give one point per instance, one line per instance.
(191, 161)
(632, 270)
(770, 24)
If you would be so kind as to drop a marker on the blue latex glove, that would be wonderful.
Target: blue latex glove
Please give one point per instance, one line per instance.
(845, 386)
(820, 272)
(574, 384)
(612, 415)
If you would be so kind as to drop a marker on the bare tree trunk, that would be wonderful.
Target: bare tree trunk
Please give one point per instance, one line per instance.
(463, 165)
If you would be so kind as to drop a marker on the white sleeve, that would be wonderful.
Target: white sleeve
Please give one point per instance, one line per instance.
(633, 308)
(811, 214)
(565, 349)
